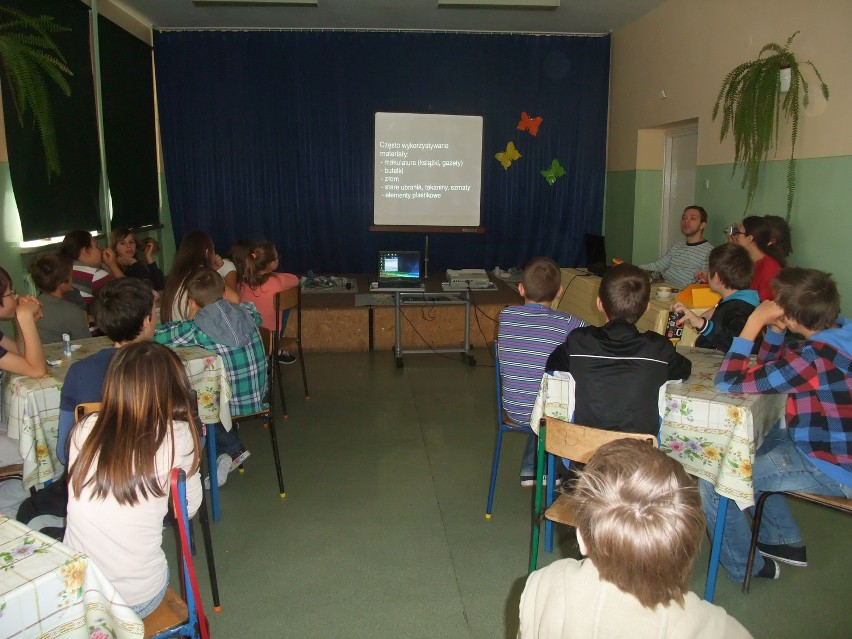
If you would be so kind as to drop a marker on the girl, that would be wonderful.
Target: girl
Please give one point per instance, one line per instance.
(261, 283)
(196, 249)
(755, 235)
(134, 262)
(119, 467)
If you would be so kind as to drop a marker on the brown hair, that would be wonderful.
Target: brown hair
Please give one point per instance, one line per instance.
(733, 265)
(258, 259)
(807, 296)
(74, 243)
(196, 249)
(121, 307)
(541, 279)
(5, 281)
(145, 392)
(700, 210)
(762, 234)
(640, 516)
(779, 234)
(625, 292)
(204, 286)
(50, 271)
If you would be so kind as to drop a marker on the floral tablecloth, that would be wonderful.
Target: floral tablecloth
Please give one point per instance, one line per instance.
(713, 434)
(50, 590)
(30, 407)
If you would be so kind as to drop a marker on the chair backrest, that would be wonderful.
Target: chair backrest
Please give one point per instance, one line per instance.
(579, 443)
(86, 408)
(268, 339)
(288, 298)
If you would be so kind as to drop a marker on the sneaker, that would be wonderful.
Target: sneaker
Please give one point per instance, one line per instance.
(223, 467)
(793, 555)
(528, 481)
(285, 358)
(770, 570)
(239, 458)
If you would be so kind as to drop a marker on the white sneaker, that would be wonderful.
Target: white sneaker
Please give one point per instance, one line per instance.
(223, 467)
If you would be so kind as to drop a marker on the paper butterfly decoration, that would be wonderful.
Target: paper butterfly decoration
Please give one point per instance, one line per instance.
(529, 124)
(555, 171)
(506, 158)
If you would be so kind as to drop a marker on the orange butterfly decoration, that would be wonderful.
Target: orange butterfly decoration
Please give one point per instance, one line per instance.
(529, 124)
(506, 158)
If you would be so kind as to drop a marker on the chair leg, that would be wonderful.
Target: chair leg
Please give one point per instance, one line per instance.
(276, 454)
(716, 549)
(548, 525)
(208, 551)
(755, 532)
(304, 374)
(212, 471)
(494, 464)
(280, 379)
(537, 509)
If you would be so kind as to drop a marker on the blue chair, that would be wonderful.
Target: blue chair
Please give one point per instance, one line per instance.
(176, 616)
(504, 425)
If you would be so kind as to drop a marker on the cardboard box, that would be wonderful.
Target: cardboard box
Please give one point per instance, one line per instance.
(698, 296)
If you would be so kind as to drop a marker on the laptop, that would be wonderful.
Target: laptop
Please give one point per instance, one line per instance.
(399, 269)
(596, 254)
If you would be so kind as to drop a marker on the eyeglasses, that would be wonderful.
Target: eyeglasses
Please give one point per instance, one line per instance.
(12, 293)
(732, 230)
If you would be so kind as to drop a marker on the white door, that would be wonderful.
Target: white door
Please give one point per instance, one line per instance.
(678, 183)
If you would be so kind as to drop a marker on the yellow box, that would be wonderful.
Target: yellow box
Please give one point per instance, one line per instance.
(698, 296)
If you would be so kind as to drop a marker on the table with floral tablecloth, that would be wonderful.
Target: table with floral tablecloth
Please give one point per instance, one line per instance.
(50, 590)
(30, 407)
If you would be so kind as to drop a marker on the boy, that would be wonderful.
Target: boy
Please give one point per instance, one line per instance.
(124, 311)
(731, 270)
(619, 373)
(680, 265)
(814, 452)
(231, 331)
(87, 276)
(52, 275)
(526, 336)
(639, 526)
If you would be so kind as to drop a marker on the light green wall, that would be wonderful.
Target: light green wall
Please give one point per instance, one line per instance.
(618, 220)
(820, 222)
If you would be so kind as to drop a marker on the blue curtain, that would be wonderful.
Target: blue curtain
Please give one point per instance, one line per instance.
(269, 135)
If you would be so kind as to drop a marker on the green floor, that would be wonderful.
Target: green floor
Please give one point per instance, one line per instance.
(382, 532)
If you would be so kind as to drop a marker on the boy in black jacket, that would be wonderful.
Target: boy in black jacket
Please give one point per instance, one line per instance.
(731, 271)
(619, 373)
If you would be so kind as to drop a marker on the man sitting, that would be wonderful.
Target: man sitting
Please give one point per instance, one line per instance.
(686, 258)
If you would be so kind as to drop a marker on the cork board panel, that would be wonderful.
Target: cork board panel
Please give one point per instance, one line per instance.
(338, 330)
(436, 326)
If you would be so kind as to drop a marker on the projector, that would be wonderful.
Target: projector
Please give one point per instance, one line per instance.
(468, 278)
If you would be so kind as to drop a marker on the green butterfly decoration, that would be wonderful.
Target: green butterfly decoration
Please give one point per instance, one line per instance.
(555, 171)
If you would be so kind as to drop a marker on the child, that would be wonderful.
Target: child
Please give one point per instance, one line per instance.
(51, 273)
(756, 235)
(121, 459)
(136, 262)
(526, 336)
(260, 285)
(730, 274)
(639, 526)
(231, 331)
(814, 452)
(87, 275)
(618, 372)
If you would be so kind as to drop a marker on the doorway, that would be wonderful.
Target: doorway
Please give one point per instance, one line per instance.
(681, 157)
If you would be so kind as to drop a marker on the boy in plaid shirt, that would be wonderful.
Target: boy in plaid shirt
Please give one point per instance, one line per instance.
(229, 330)
(814, 452)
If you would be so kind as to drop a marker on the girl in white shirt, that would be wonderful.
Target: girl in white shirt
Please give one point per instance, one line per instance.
(119, 467)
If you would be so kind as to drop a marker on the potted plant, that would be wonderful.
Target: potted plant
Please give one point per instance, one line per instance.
(29, 57)
(752, 102)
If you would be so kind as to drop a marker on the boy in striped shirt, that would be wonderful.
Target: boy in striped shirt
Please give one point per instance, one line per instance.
(527, 335)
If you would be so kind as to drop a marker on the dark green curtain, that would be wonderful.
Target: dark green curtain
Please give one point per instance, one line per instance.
(69, 201)
(127, 92)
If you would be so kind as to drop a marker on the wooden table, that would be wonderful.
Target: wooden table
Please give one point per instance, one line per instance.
(50, 590)
(30, 407)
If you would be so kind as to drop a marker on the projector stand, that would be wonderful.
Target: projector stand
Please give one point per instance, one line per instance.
(426, 258)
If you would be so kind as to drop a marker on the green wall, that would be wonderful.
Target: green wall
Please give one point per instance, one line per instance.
(820, 222)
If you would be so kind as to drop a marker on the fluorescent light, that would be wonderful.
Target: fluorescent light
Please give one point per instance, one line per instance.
(514, 4)
(249, 3)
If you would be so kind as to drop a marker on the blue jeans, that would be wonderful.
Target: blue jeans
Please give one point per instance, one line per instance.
(528, 461)
(778, 465)
(227, 441)
(147, 607)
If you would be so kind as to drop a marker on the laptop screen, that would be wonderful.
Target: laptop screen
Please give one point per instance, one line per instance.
(595, 251)
(399, 265)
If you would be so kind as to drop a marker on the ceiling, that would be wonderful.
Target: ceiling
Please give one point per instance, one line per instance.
(573, 16)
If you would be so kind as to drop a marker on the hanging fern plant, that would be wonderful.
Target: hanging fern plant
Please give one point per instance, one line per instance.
(29, 59)
(752, 104)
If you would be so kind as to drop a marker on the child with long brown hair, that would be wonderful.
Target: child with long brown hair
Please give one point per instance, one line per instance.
(119, 467)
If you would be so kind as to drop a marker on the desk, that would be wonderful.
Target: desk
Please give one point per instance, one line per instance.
(713, 434)
(423, 299)
(50, 590)
(31, 406)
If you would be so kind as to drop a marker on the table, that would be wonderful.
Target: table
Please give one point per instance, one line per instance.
(713, 434)
(50, 590)
(30, 407)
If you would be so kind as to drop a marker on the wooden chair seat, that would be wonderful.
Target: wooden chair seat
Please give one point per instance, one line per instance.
(838, 503)
(171, 612)
(563, 510)
(12, 471)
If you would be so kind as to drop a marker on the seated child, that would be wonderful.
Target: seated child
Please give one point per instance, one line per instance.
(814, 452)
(231, 331)
(526, 336)
(619, 374)
(52, 274)
(121, 459)
(730, 274)
(88, 275)
(135, 260)
(639, 526)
